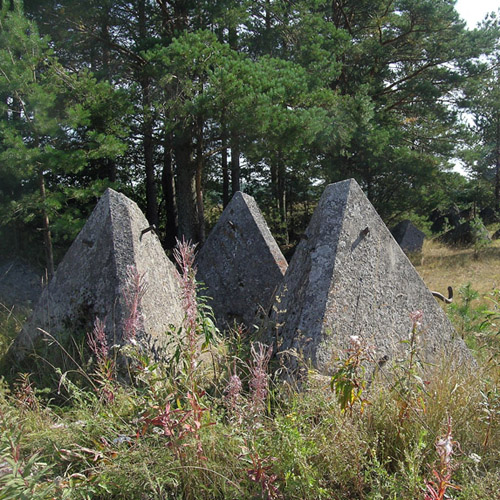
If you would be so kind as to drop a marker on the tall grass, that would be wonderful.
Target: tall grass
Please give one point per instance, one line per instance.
(211, 422)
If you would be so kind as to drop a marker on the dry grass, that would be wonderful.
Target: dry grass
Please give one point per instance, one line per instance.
(441, 266)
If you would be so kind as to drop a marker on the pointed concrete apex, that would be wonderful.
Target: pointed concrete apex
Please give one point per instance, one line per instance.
(347, 277)
(240, 263)
(90, 280)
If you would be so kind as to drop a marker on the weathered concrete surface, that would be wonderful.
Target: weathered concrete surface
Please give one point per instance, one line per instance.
(240, 264)
(20, 283)
(409, 238)
(349, 277)
(90, 280)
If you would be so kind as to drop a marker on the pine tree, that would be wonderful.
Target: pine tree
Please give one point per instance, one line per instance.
(49, 133)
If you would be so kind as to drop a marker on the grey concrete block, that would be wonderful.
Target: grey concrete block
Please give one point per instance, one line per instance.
(349, 277)
(91, 278)
(20, 283)
(409, 237)
(240, 264)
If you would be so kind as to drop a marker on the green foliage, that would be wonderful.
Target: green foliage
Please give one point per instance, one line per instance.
(306, 92)
(409, 386)
(11, 321)
(349, 381)
(467, 315)
(300, 93)
(21, 477)
(125, 425)
(56, 125)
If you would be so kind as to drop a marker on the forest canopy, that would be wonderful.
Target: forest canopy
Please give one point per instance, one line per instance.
(181, 103)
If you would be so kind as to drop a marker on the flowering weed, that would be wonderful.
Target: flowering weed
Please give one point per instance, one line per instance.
(349, 381)
(436, 488)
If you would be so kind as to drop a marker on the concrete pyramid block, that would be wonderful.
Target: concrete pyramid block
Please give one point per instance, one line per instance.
(90, 280)
(409, 237)
(348, 276)
(240, 264)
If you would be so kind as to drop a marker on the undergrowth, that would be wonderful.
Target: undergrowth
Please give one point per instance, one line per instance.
(208, 421)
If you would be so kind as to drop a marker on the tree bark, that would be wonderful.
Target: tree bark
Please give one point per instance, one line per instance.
(168, 185)
(151, 199)
(225, 178)
(235, 164)
(199, 183)
(148, 146)
(235, 149)
(274, 184)
(225, 170)
(497, 166)
(282, 201)
(186, 187)
(282, 193)
(47, 236)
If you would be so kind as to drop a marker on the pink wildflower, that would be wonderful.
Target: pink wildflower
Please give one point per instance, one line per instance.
(98, 342)
(133, 293)
(259, 383)
(416, 318)
(436, 489)
(233, 393)
(184, 255)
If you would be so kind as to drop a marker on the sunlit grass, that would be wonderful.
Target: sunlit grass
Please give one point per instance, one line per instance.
(441, 266)
(171, 432)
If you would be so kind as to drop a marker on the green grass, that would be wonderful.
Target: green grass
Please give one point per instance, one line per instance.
(441, 266)
(170, 432)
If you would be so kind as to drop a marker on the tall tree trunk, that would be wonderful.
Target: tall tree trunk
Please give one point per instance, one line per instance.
(235, 164)
(274, 184)
(148, 146)
(199, 182)
(106, 42)
(47, 236)
(282, 199)
(225, 170)
(168, 185)
(151, 199)
(282, 192)
(186, 187)
(497, 166)
(109, 165)
(225, 178)
(235, 147)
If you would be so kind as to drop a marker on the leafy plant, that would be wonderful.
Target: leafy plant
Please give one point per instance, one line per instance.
(409, 387)
(349, 381)
(21, 478)
(466, 315)
(261, 473)
(490, 410)
(480, 236)
(436, 488)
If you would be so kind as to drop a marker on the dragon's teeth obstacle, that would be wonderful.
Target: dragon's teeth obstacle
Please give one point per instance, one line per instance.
(348, 276)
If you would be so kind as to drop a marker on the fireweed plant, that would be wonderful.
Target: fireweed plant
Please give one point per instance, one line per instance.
(105, 371)
(259, 379)
(436, 488)
(349, 381)
(409, 386)
(198, 331)
(135, 288)
(130, 353)
(184, 255)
